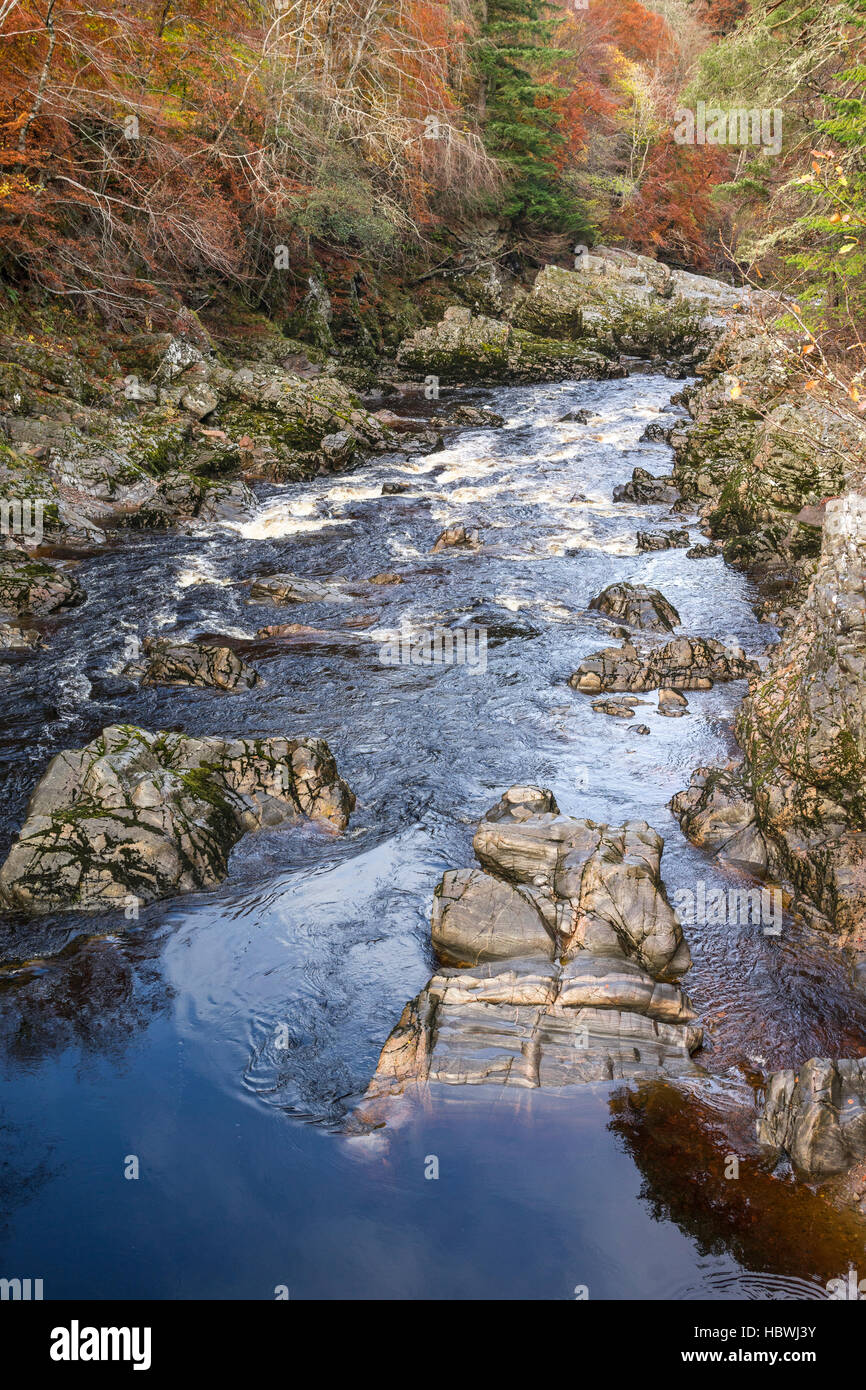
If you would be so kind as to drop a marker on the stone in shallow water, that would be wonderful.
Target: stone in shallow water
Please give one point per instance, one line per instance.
(151, 814)
(457, 538)
(662, 540)
(637, 605)
(703, 552)
(194, 663)
(646, 488)
(717, 812)
(686, 663)
(469, 416)
(293, 588)
(575, 952)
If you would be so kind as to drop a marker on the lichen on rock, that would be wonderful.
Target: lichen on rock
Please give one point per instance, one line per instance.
(145, 815)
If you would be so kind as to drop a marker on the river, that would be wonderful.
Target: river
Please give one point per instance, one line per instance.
(220, 1038)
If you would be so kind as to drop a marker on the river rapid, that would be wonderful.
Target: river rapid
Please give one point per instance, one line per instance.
(220, 1038)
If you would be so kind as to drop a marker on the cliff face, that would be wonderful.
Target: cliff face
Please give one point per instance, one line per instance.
(803, 729)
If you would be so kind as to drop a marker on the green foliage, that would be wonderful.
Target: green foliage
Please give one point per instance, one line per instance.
(521, 115)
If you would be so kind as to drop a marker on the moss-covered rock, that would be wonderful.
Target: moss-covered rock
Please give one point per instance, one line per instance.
(33, 587)
(136, 816)
(471, 347)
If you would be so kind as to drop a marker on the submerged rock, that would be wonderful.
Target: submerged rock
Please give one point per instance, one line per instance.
(817, 1116)
(293, 588)
(559, 960)
(193, 663)
(136, 816)
(637, 605)
(686, 663)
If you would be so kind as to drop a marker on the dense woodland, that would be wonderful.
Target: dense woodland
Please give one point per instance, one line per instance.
(161, 155)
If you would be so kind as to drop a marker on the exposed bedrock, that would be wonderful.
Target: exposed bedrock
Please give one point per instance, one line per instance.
(817, 1115)
(151, 814)
(803, 731)
(559, 960)
(34, 588)
(763, 456)
(472, 347)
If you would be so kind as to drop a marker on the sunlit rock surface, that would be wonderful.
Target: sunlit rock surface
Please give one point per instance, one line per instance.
(192, 663)
(686, 663)
(149, 815)
(637, 605)
(559, 963)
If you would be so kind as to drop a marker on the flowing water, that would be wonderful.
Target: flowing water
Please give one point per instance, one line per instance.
(221, 1037)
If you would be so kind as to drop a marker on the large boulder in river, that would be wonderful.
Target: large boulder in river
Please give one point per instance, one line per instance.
(145, 815)
(637, 605)
(817, 1115)
(560, 957)
(686, 663)
(193, 663)
(471, 347)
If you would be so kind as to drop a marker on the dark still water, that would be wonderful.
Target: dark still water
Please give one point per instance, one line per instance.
(220, 1039)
